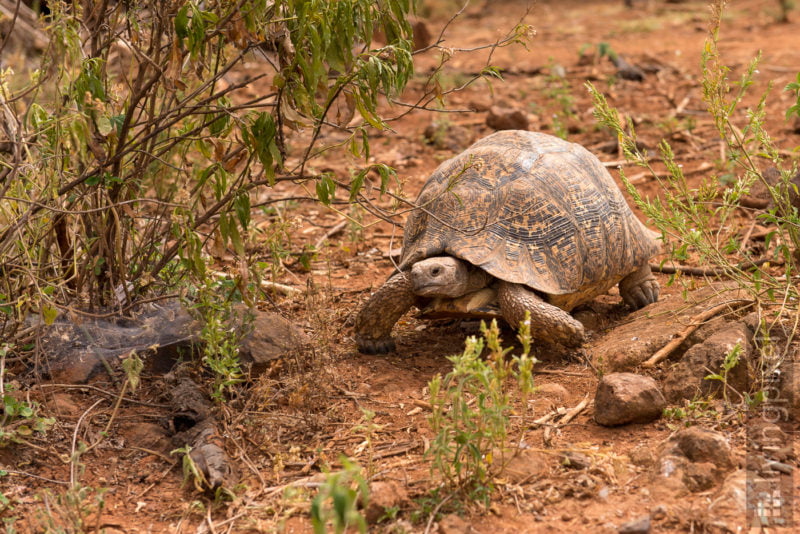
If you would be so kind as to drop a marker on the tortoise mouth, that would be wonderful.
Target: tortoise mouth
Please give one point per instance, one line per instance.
(433, 289)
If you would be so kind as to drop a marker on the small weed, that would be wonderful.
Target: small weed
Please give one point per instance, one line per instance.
(794, 87)
(20, 417)
(368, 429)
(79, 509)
(693, 411)
(471, 405)
(731, 360)
(335, 507)
(700, 222)
(220, 335)
(558, 91)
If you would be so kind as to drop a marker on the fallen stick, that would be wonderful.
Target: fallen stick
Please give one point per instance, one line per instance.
(547, 437)
(330, 233)
(570, 415)
(695, 323)
(699, 271)
(280, 288)
(559, 373)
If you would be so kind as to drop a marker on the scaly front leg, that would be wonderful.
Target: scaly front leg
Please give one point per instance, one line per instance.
(548, 322)
(374, 323)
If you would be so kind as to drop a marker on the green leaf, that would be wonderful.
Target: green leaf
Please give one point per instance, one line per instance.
(356, 184)
(326, 189)
(182, 22)
(49, 314)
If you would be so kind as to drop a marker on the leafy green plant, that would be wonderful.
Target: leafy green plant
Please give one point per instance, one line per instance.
(470, 411)
(20, 418)
(794, 87)
(731, 360)
(335, 507)
(223, 326)
(701, 220)
(129, 150)
(559, 94)
(692, 412)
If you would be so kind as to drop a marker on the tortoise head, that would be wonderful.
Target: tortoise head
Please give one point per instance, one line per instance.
(446, 276)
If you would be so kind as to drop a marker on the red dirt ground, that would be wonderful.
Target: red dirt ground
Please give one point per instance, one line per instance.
(309, 412)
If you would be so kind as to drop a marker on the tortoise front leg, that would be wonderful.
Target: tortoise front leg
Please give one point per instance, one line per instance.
(374, 322)
(548, 322)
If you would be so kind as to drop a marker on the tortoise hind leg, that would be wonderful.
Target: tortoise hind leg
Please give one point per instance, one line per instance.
(548, 322)
(639, 288)
(373, 328)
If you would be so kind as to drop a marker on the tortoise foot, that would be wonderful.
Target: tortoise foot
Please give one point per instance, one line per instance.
(375, 346)
(639, 288)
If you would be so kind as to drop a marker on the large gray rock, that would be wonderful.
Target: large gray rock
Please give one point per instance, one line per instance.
(687, 380)
(269, 338)
(78, 348)
(623, 398)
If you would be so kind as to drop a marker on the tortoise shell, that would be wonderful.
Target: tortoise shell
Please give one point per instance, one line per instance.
(532, 209)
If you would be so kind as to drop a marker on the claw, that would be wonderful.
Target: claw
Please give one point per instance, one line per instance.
(375, 346)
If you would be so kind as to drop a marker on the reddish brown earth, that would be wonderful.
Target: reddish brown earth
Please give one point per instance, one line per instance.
(306, 412)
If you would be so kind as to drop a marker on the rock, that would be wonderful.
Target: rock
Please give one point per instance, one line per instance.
(731, 500)
(576, 460)
(422, 35)
(553, 391)
(384, 495)
(765, 435)
(452, 524)
(480, 104)
(704, 332)
(623, 398)
(659, 512)
(76, 369)
(501, 118)
(687, 379)
(637, 526)
(647, 330)
(699, 476)
(642, 456)
(625, 70)
(701, 445)
(784, 403)
(759, 196)
(80, 348)
(444, 135)
(148, 436)
(694, 459)
(63, 405)
(524, 466)
(270, 337)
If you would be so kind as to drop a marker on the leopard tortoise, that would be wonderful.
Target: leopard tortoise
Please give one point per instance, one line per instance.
(526, 219)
